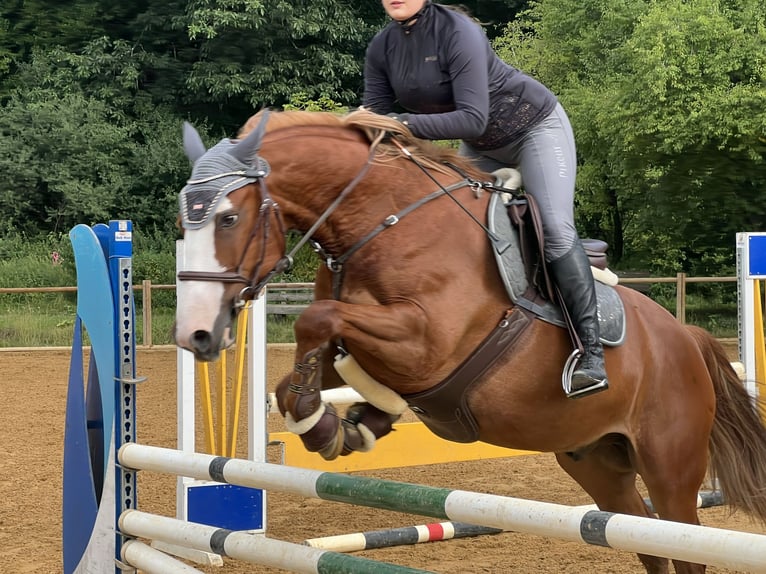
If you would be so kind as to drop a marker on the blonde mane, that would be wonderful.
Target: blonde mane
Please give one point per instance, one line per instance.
(371, 125)
(281, 120)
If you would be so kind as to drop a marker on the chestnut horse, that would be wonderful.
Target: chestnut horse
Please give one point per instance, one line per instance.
(411, 289)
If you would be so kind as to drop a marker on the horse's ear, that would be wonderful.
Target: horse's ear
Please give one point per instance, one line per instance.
(247, 149)
(193, 145)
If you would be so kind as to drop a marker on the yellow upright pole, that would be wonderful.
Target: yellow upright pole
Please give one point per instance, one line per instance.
(222, 402)
(239, 375)
(760, 347)
(203, 376)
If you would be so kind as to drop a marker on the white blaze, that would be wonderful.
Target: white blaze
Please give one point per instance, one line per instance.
(198, 302)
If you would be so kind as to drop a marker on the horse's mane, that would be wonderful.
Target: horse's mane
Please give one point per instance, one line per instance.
(370, 125)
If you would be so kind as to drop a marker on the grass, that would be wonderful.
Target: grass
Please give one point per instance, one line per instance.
(279, 329)
(27, 328)
(45, 323)
(47, 320)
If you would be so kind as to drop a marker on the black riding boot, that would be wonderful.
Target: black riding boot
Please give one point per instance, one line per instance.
(573, 276)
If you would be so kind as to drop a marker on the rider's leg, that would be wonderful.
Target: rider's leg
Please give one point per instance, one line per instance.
(574, 279)
(547, 161)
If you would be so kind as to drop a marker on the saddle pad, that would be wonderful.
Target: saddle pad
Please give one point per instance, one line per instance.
(509, 262)
(611, 313)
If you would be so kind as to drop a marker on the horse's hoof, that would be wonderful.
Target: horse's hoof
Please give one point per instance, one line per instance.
(335, 446)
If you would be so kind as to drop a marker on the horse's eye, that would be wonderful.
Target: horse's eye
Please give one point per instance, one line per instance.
(228, 220)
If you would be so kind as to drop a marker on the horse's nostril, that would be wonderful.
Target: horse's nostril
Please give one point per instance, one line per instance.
(200, 340)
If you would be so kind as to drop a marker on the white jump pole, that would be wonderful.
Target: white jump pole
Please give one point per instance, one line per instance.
(339, 396)
(152, 561)
(255, 549)
(691, 543)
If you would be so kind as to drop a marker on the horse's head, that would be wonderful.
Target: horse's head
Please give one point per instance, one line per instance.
(233, 239)
(329, 172)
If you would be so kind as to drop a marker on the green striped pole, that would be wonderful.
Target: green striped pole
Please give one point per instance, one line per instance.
(687, 542)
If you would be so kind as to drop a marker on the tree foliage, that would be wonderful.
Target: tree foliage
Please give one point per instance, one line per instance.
(668, 103)
(667, 99)
(93, 93)
(81, 145)
(257, 53)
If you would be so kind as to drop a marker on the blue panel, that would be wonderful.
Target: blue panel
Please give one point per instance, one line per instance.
(79, 504)
(94, 411)
(226, 506)
(757, 253)
(102, 233)
(95, 307)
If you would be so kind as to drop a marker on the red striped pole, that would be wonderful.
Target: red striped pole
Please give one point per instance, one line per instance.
(399, 536)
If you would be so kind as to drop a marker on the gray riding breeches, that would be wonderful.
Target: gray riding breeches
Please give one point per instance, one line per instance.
(546, 158)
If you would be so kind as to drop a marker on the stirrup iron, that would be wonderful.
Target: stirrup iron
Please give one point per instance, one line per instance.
(566, 379)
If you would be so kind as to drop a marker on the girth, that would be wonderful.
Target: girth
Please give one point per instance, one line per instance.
(444, 408)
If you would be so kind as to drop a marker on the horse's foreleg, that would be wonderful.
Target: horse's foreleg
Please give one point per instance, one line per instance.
(363, 425)
(320, 428)
(300, 402)
(298, 395)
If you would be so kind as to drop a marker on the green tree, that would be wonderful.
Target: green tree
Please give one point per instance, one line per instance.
(82, 144)
(42, 24)
(256, 53)
(696, 107)
(494, 15)
(59, 154)
(669, 110)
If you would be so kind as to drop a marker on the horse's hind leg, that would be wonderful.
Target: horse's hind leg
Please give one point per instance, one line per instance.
(605, 472)
(673, 465)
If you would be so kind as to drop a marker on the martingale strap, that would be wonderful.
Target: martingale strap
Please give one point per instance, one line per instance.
(444, 408)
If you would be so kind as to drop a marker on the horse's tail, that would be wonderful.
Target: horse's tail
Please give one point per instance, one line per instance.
(738, 438)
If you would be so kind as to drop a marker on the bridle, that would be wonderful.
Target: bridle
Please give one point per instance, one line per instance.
(268, 207)
(262, 230)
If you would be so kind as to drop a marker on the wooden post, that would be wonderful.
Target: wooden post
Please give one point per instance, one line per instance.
(146, 292)
(681, 297)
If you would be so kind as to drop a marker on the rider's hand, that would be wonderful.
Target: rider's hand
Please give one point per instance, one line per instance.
(402, 118)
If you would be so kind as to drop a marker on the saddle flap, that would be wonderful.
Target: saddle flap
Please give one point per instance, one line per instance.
(520, 267)
(519, 221)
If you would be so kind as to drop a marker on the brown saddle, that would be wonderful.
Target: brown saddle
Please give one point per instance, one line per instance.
(525, 216)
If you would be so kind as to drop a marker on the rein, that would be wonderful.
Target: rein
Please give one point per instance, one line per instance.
(334, 205)
(499, 244)
(269, 207)
(336, 264)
